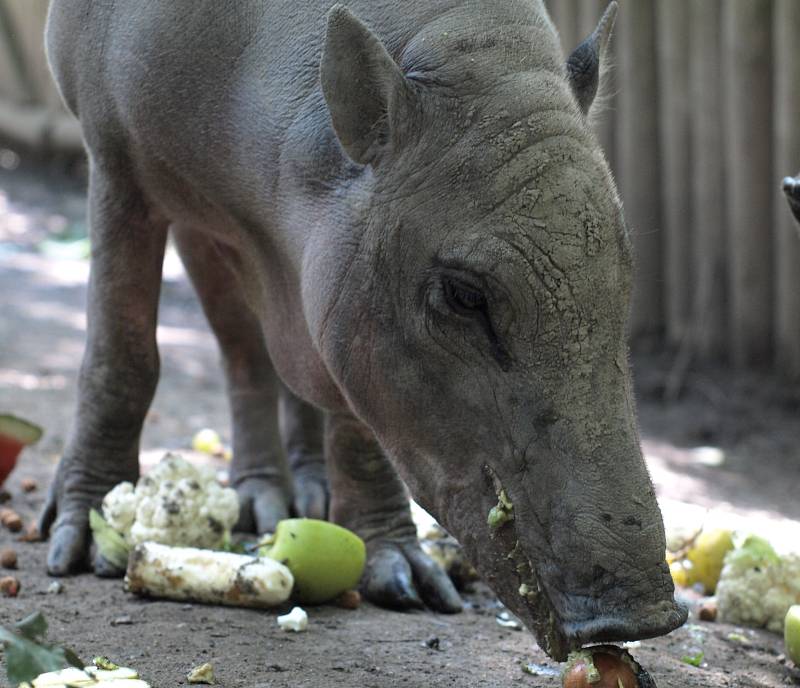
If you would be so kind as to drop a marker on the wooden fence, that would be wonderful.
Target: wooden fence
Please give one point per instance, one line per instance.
(31, 112)
(701, 121)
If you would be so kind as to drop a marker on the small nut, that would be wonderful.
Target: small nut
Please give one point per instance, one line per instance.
(349, 599)
(8, 558)
(28, 484)
(707, 611)
(9, 586)
(11, 520)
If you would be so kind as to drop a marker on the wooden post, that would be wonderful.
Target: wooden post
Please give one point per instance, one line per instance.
(747, 59)
(709, 329)
(589, 13)
(673, 80)
(787, 162)
(565, 16)
(637, 159)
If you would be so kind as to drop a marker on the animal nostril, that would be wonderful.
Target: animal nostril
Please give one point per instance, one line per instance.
(632, 521)
(545, 419)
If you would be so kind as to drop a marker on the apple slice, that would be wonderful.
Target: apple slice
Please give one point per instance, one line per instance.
(325, 559)
(15, 434)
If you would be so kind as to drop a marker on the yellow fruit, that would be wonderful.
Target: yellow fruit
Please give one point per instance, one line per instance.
(325, 559)
(680, 574)
(707, 555)
(207, 441)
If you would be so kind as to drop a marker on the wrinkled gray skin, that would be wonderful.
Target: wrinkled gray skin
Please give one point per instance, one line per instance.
(418, 218)
(791, 187)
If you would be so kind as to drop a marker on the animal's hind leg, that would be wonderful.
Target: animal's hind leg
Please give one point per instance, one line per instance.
(119, 371)
(260, 472)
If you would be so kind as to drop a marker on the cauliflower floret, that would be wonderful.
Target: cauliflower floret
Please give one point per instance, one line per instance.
(175, 504)
(757, 589)
(119, 507)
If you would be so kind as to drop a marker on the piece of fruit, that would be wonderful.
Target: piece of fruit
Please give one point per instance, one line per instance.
(680, 574)
(325, 559)
(11, 519)
(202, 674)
(707, 555)
(604, 666)
(8, 558)
(791, 633)
(207, 441)
(9, 586)
(15, 434)
(296, 621)
(28, 484)
(109, 542)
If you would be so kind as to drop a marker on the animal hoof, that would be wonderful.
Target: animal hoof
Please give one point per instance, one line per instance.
(262, 504)
(69, 546)
(311, 491)
(402, 576)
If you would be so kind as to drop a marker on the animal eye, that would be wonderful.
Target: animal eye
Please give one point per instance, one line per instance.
(463, 299)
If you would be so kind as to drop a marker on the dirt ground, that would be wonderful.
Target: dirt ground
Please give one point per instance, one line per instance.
(728, 449)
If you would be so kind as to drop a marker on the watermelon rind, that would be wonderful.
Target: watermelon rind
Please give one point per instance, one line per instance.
(18, 429)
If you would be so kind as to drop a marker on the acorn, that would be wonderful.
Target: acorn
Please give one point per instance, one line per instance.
(8, 558)
(604, 666)
(9, 586)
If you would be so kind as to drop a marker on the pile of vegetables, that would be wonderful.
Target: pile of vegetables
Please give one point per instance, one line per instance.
(166, 532)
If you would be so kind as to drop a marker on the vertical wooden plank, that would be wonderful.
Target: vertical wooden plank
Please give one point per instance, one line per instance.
(565, 16)
(673, 80)
(637, 158)
(787, 162)
(747, 56)
(709, 308)
(603, 111)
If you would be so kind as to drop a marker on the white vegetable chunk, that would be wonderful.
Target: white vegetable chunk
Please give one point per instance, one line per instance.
(186, 573)
(296, 620)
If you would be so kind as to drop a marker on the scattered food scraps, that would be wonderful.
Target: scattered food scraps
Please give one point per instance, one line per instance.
(507, 620)
(349, 599)
(202, 674)
(707, 611)
(15, 434)
(55, 588)
(8, 558)
(791, 633)
(10, 519)
(325, 559)
(176, 503)
(757, 586)
(28, 484)
(187, 573)
(604, 666)
(9, 586)
(208, 441)
(295, 621)
(694, 660)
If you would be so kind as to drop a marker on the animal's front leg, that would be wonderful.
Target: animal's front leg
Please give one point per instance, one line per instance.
(368, 497)
(119, 372)
(791, 187)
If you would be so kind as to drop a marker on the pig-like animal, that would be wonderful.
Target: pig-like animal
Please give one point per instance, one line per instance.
(403, 209)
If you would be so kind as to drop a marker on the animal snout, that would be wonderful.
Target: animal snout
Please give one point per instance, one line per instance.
(634, 623)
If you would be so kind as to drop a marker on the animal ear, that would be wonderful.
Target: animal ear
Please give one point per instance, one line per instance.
(583, 65)
(361, 83)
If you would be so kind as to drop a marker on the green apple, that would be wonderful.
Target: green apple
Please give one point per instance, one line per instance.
(791, 634)
(325, 559)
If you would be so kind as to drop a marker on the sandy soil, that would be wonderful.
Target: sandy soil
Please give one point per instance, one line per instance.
(749, 478)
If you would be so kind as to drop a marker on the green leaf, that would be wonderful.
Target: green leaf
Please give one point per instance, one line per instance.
(25, 659)
(33, 626)
(694, 660)
(109, 542)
